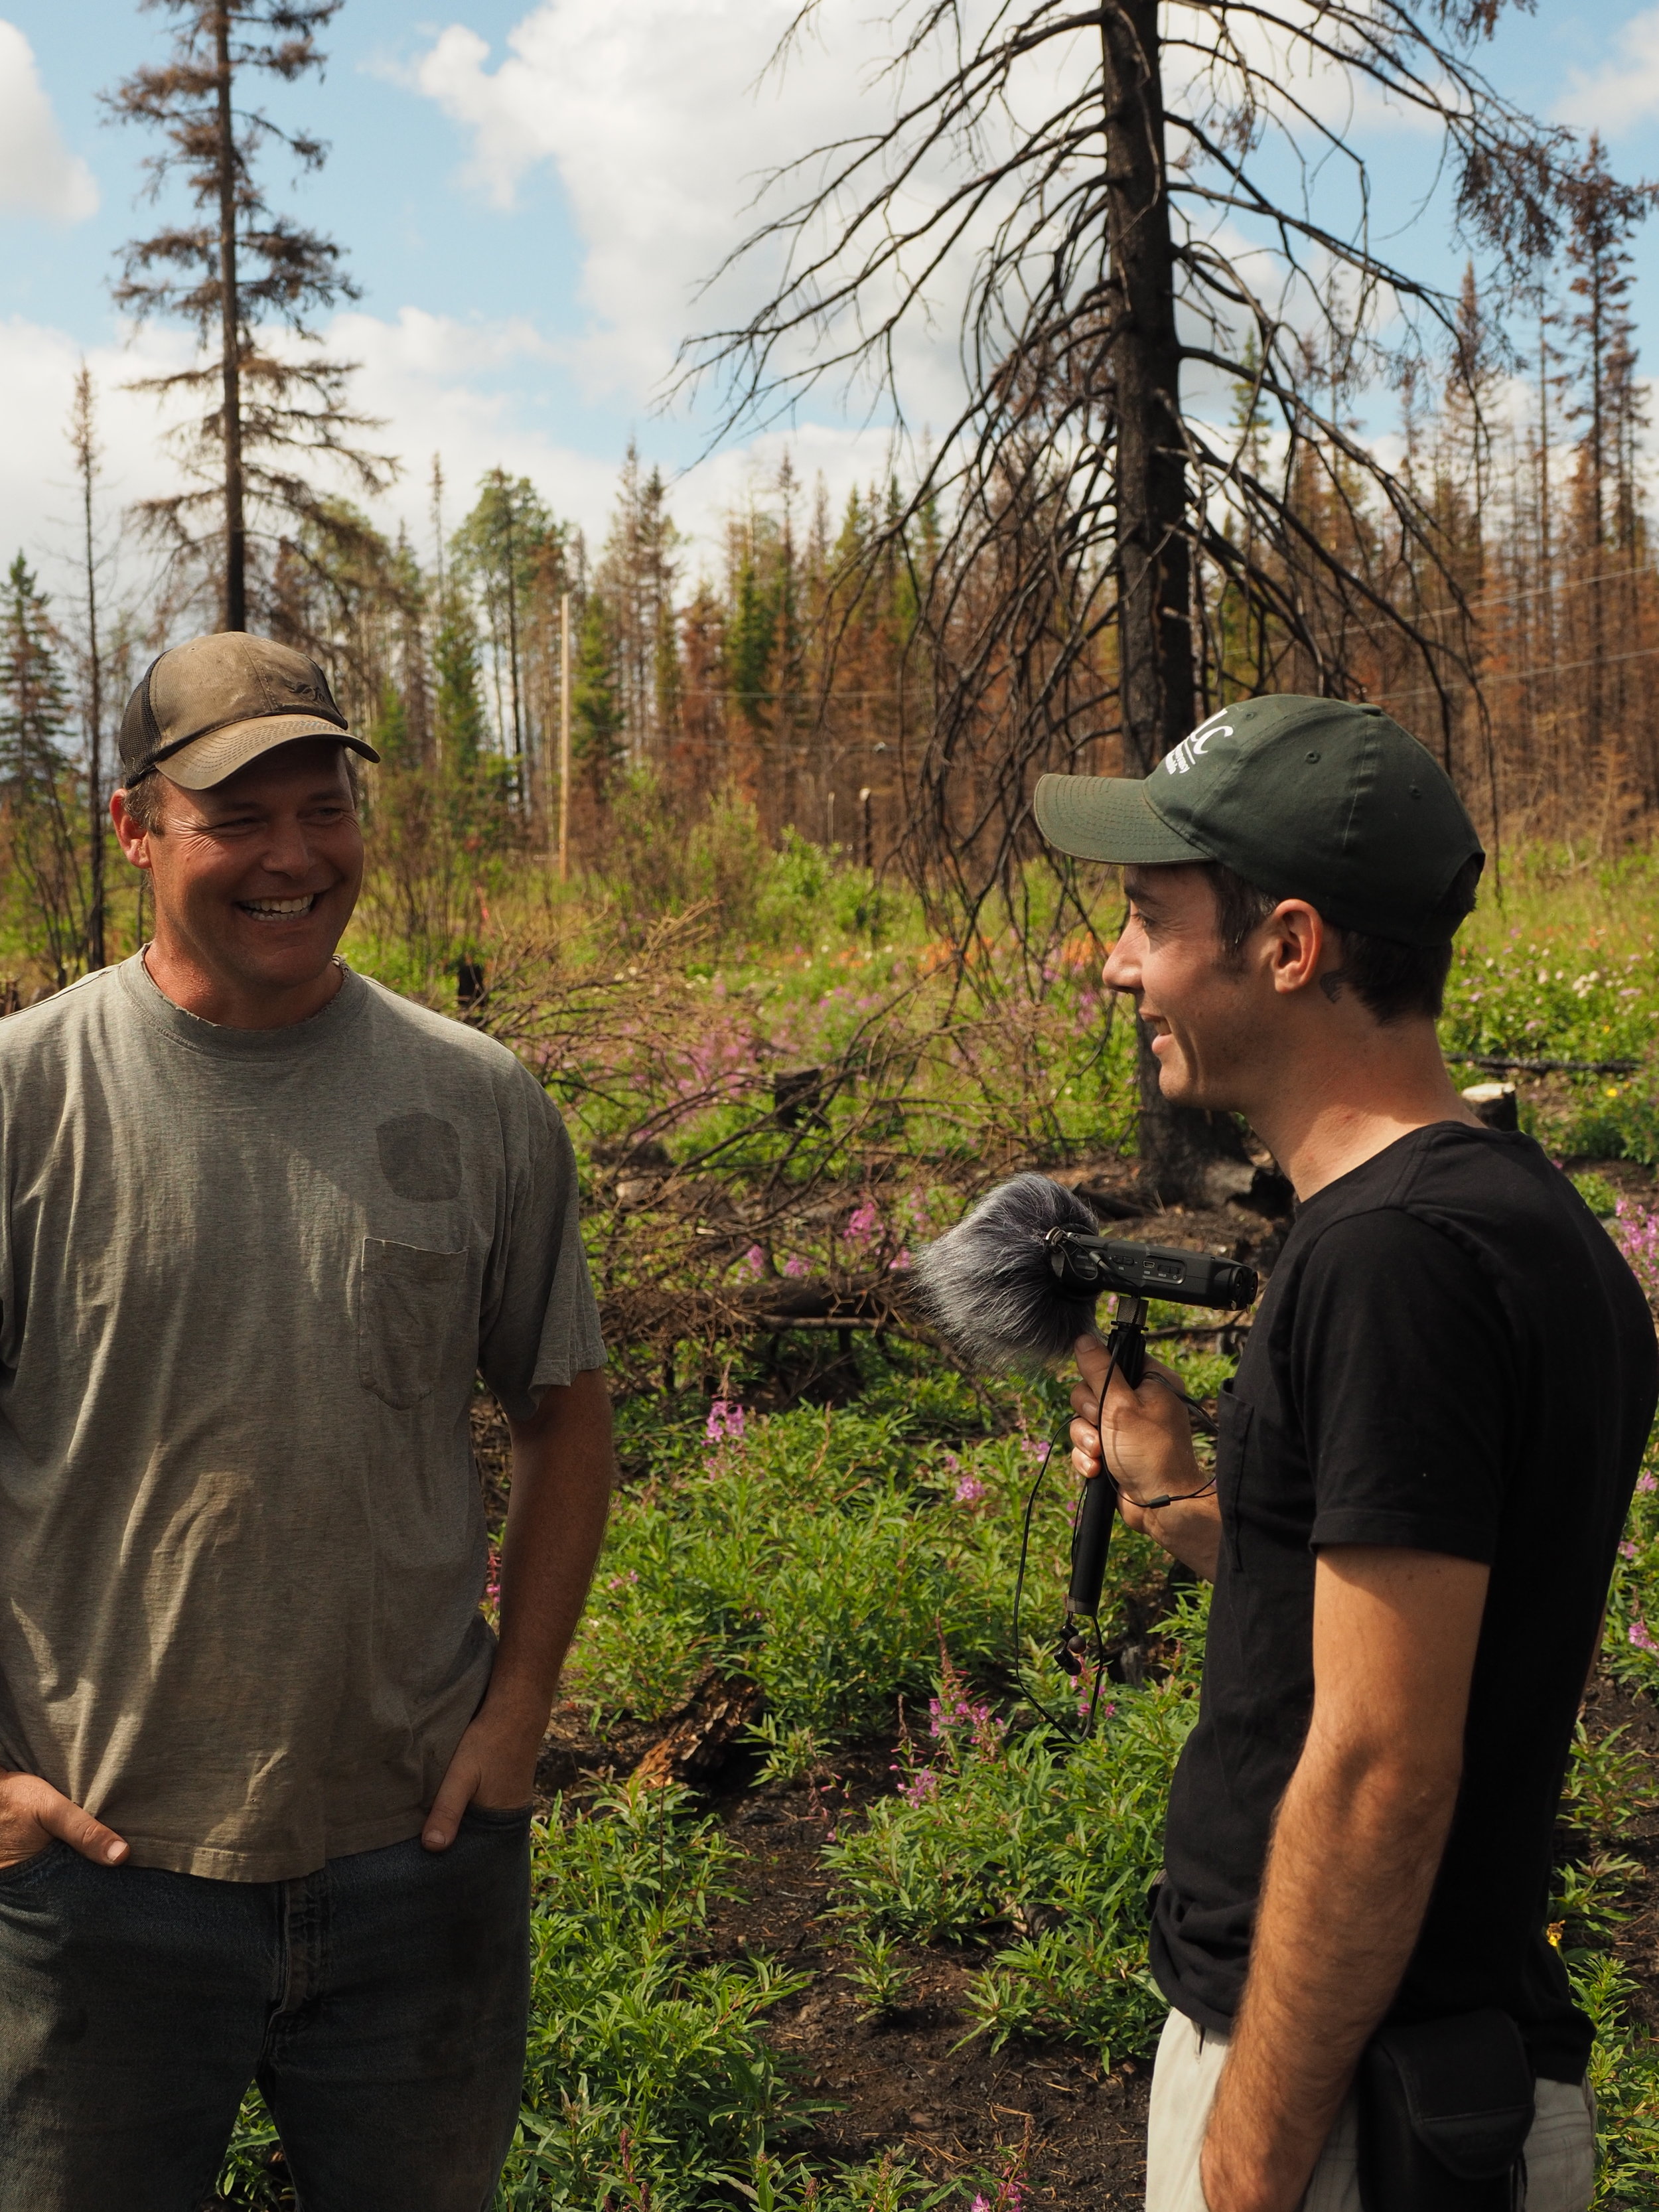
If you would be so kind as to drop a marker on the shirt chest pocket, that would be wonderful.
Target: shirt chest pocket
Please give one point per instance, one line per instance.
(407, 1311)
(1234, 1417)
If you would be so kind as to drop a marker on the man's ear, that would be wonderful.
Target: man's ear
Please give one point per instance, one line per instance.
(135, 840)
(1298, 944)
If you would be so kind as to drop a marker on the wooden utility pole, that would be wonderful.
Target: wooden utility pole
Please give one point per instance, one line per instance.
(81, 435)
(564, 737)
(506, 490)
(230, 336)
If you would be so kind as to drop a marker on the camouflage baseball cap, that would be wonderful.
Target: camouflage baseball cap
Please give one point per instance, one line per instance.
(207, 708)
(1314, 798)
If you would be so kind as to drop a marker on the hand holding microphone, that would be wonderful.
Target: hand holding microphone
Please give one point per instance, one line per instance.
(1015, 1285)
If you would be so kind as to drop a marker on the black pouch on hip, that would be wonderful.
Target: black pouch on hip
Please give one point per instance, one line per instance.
(1444, 2109)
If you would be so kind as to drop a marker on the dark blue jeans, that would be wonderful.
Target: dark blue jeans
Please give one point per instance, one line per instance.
(380, 2004)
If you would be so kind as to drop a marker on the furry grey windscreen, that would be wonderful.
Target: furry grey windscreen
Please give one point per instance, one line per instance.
(988, 1285)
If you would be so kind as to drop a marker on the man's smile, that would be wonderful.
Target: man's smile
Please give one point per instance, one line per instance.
(275, 909)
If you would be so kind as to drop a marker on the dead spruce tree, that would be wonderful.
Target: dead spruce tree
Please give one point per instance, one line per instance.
(270, 415)
(1098, 197)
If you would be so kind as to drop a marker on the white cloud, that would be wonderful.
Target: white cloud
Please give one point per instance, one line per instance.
(470, 392)
(662, 126)
(1621, 92)
(39, 175)
(38, 366)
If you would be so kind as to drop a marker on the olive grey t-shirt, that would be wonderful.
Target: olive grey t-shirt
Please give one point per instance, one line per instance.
(247, 1279)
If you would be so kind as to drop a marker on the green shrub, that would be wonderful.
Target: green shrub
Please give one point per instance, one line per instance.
(1623, 2072)
(1598, 1193)
(829, 1558)
(1011, 1836)
(646, 2076)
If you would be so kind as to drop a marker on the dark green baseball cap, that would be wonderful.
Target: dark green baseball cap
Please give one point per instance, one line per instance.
(1314, 798)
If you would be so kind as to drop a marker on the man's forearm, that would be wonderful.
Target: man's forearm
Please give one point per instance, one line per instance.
(1189, 1530)
(1355, 1852)
(556, 1516)
(556, 1511)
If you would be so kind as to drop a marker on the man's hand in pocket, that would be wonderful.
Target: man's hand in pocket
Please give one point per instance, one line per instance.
(33, 1815)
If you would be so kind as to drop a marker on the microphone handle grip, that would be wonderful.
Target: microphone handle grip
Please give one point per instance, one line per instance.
(1127, 1345)
(1092, 1539)
(1088, 1546)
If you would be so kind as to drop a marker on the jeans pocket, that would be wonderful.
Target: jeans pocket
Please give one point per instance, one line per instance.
(20, 1869)
(500, 1816)
(407, 1303)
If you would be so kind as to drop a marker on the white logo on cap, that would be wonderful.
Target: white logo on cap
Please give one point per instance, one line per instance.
(1179, 759)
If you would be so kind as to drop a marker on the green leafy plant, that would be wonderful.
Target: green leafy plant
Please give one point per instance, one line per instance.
(645, 2073)
(825, 1559)
(793, 1754)
(1608, 1785)
(1598, 1193)
(1624, 2074)
(881, 1980)
(996, 1835)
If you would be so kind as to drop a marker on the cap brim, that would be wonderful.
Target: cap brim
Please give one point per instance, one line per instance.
(1102, 817)
(206, 761)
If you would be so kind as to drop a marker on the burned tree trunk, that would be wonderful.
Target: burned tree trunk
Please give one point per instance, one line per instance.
(1155, 631)
(1187, 1155)
(234, 609)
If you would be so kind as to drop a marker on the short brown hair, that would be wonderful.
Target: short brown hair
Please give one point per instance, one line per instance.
(1393, 980)
(142, 801)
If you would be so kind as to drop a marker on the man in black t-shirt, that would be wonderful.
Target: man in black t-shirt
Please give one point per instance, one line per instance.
(1422, 1467)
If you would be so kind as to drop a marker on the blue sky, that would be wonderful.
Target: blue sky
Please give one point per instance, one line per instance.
(528, 236)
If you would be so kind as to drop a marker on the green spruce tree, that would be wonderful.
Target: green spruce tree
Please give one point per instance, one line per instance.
(459, 708)
(38, 780)
(596, 712)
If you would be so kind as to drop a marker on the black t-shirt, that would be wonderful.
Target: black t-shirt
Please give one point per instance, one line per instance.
(1451, 1357)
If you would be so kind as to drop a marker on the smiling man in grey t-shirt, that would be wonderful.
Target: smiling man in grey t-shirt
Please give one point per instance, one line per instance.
(264, 1773)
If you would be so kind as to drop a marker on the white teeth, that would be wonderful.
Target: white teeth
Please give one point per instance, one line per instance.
(278, 907)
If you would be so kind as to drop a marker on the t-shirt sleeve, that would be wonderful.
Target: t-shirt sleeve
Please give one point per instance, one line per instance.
(1403, 1367)
(540, 1323)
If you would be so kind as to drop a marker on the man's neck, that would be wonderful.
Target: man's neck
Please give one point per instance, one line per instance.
(230, 1004)
(1331, 1111)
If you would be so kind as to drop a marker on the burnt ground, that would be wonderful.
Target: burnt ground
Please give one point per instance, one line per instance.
(907, 2082)
(910, 2082)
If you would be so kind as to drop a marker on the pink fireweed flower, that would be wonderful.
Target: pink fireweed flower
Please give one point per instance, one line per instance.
(900, 1261)
(724, 1422)
(795, 1265)
(1637, 1231)
(969, 1490)
(1627, 1550)
(862, 1224)
(753, 1261)
(1647, 1483)
(922, 1785)
(1642, 1637)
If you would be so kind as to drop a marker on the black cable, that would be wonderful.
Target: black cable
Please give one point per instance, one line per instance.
(1063, 1728)
(1060, 1727)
